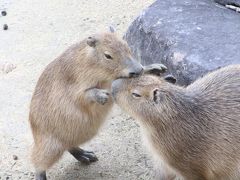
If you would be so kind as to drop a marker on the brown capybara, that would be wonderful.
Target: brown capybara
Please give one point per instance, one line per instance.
(193, 130)
(71, 98)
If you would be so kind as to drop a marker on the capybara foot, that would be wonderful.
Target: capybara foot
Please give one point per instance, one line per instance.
(156, 69)
(83, 156)
(102, 96)
(41, 175)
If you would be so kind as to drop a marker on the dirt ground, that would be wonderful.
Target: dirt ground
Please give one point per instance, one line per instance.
(38, 32)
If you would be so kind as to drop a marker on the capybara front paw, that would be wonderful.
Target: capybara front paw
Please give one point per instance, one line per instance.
(156, 69)
(102, 96)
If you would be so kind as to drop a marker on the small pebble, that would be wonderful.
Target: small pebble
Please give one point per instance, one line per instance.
(15, 157)
(4, 13)
(85, 19)
(101, 174)
(5, 27)
(7, 67)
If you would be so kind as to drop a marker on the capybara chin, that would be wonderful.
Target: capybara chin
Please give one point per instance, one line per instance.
(194, 130)
(71, 98)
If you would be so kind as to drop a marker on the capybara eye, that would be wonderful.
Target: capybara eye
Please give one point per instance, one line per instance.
(108, 56)
(136, 95)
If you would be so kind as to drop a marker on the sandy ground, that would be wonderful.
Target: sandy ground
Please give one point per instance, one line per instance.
(38, 32)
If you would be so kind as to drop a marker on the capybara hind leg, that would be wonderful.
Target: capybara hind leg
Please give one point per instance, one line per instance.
(44, 155)
(83, 156)
(41, 175)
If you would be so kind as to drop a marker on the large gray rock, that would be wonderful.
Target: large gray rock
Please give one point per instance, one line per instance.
(191, 37)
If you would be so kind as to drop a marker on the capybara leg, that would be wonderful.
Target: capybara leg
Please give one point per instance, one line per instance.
(100, 96)
(83, 156)
(41, 175)
(44, 155)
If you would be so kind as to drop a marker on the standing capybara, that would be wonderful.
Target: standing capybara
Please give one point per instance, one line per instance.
(194, 130)
(71, 99)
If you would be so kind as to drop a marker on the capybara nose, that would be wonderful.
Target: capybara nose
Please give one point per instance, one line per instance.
(135, 69)
(136, 73)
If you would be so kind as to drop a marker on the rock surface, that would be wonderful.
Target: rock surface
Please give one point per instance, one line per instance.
(191, 37)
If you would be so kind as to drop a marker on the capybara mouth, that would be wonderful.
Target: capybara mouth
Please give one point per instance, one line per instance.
(121, 77)
(125, 77)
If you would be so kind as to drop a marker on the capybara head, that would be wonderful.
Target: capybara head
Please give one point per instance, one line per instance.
(142, 96)
(113, 56)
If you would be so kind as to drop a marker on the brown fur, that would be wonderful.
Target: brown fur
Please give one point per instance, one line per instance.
(63, 111)
(194, 130)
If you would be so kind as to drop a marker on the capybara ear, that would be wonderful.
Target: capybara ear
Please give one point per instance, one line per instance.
(111, 29)
(170, 78)
(91, 41)
(156, 95)
(155, 69)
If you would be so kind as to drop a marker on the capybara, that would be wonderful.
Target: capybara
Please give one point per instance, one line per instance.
(71, 98)
(193, 130)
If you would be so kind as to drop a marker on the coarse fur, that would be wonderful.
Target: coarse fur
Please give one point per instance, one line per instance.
(194, 130)
(71, 99)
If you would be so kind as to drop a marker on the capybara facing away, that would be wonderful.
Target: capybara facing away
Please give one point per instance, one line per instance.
(194, 130)
(71, 98)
